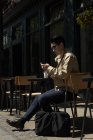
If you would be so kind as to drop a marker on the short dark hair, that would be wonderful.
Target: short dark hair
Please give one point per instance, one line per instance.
(58, 40)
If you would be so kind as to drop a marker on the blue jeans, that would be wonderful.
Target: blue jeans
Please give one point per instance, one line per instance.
(44, 100)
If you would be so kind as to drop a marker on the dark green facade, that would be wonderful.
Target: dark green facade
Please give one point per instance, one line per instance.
(28, 27)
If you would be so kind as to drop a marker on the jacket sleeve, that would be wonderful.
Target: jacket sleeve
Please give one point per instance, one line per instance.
(63, 70)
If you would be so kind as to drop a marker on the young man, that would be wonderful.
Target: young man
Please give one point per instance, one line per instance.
(66, 63)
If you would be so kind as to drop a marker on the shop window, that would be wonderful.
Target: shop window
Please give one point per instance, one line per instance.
(57, 29)
(57, 11)
(54, 23)
(55, 18)
(54, 12)
(33, 45)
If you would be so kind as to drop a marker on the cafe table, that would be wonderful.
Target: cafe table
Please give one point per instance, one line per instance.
(44, 84)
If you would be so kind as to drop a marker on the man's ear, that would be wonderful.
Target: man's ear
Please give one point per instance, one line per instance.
(62, 45)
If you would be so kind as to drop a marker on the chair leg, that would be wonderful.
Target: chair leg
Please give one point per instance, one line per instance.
(2, 101)
(82, 131)
(75, 109)
(7, 101)
(85, 111)
(90, 111)
(74, 115)
(19, 103)
(11, 103)
(27, 101)
(16, 105)
(71, 108)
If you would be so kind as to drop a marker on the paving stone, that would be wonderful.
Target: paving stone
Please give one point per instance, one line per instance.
(10, 133)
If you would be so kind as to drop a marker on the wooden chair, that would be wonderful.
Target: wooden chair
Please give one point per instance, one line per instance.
(22, 85)
(77, 86)
(43, 85)
(89, 92)
(15, 89)
(7, 89)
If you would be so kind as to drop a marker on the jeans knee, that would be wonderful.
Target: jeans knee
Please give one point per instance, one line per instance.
(41, 100)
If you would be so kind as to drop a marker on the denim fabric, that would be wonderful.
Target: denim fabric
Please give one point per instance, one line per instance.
(44, 100)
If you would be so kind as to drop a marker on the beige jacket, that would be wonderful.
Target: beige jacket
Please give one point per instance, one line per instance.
(66, 63)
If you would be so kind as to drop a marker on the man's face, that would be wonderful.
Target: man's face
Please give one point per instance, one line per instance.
(57, 49)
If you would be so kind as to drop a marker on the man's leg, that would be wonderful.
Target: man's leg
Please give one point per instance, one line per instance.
(51, 96)
(43, 101)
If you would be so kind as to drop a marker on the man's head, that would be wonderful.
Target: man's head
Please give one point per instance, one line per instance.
(57, 44)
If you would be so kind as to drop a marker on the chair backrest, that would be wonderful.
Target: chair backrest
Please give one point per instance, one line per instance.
(23, 80)
(76, 83)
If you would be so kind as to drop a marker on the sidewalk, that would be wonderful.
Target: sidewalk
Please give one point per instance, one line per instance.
(10, 133)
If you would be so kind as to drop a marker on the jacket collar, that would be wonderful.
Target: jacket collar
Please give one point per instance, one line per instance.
(59, 57)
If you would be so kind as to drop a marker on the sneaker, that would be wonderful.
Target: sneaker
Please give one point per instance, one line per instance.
(16, 123)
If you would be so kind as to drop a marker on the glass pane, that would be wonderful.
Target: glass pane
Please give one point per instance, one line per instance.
(34, 47)
(57, 29)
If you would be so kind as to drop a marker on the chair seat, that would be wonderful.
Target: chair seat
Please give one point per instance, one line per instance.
(23, 94)
(32, 94)
(36, 93)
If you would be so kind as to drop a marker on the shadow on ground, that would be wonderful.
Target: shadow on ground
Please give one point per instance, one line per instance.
(88, 129)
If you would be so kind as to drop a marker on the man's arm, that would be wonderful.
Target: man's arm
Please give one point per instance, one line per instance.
(64, 69)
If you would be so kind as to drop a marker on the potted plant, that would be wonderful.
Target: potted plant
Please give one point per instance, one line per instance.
(85, 18)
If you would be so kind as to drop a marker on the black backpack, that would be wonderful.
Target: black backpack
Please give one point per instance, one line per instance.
(52, 124)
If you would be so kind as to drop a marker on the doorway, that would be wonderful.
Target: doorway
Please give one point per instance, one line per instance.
(17, 59)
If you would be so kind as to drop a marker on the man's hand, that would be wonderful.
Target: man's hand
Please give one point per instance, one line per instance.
(44, 66)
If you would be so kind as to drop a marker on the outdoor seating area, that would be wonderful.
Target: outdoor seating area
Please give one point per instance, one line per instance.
(46, 73)
(29, 133)
(19, 91)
